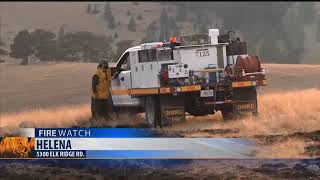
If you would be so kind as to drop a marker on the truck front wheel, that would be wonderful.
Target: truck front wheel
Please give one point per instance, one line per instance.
(152, 109)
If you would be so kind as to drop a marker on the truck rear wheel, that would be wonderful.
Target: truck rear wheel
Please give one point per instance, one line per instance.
(248, 94)
(195, 107)
(198, 111)
(228, 113)
(152, 109)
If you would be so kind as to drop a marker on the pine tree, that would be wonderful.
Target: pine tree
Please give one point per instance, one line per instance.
(89, 9)
(44, 44)
(150, 32)
(139, 17)
(181, 12)
(2, 51)
(60, 37)
(175, 31)
(21, 47)
(112, 23)
(107, 11)
(307, 11)
(108, 16)
(61, 32)
(164, 25)
(132, 24)
(95, 9)
(318, 29)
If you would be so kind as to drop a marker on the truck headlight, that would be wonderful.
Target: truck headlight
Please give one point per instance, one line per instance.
(178, 89)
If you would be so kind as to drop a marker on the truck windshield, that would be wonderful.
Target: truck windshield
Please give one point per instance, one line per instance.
(124, 60)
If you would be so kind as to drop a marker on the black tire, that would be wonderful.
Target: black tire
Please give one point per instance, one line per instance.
(195, 108)
(198, 111)
(125, 112)
(228, 113)
(152, 109)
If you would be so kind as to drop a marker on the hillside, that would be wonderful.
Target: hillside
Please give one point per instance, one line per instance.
(52, 15)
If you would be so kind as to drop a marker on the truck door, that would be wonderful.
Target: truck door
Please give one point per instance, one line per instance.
(121, 85)
(145, 70)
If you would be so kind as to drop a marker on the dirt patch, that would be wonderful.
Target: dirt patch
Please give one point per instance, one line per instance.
(163, 169)
(307, 136)
(296, 145)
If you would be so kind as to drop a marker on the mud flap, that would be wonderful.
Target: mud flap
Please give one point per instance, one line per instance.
(246, 108)
(246, 101)
(172, 110)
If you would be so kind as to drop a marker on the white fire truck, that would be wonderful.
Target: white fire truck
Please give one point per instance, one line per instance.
(198, 74)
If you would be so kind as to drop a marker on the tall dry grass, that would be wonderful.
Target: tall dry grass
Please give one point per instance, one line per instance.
(65, 116)
(280, 113)
(291, 148)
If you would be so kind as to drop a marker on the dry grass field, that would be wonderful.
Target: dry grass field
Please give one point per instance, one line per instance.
(44, 85)
(58, 95)
(279, 113)
(60, 84)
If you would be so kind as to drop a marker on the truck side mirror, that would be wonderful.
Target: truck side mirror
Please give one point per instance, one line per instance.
(116, 74)
(113, 70)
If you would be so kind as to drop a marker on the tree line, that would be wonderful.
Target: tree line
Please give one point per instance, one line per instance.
(73, 46)
(274, 30)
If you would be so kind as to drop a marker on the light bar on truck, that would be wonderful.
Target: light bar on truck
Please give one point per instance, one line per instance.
(151, 45)
(173, 39)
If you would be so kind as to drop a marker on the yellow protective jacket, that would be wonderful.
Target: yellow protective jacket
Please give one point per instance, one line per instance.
(103, 87)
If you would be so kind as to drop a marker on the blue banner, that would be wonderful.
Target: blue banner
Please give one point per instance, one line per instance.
(94, 133)
(135, 154)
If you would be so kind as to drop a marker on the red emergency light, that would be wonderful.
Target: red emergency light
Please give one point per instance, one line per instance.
(173, 39)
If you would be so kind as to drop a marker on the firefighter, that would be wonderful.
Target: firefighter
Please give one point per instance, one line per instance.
(101, 99)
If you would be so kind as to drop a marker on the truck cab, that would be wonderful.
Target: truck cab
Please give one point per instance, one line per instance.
(138, 70)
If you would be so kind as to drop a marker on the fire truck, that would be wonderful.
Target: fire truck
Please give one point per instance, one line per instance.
(193, 74)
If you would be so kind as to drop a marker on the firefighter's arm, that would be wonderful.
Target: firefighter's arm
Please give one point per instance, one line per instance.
(95, 82)
(109, 76)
